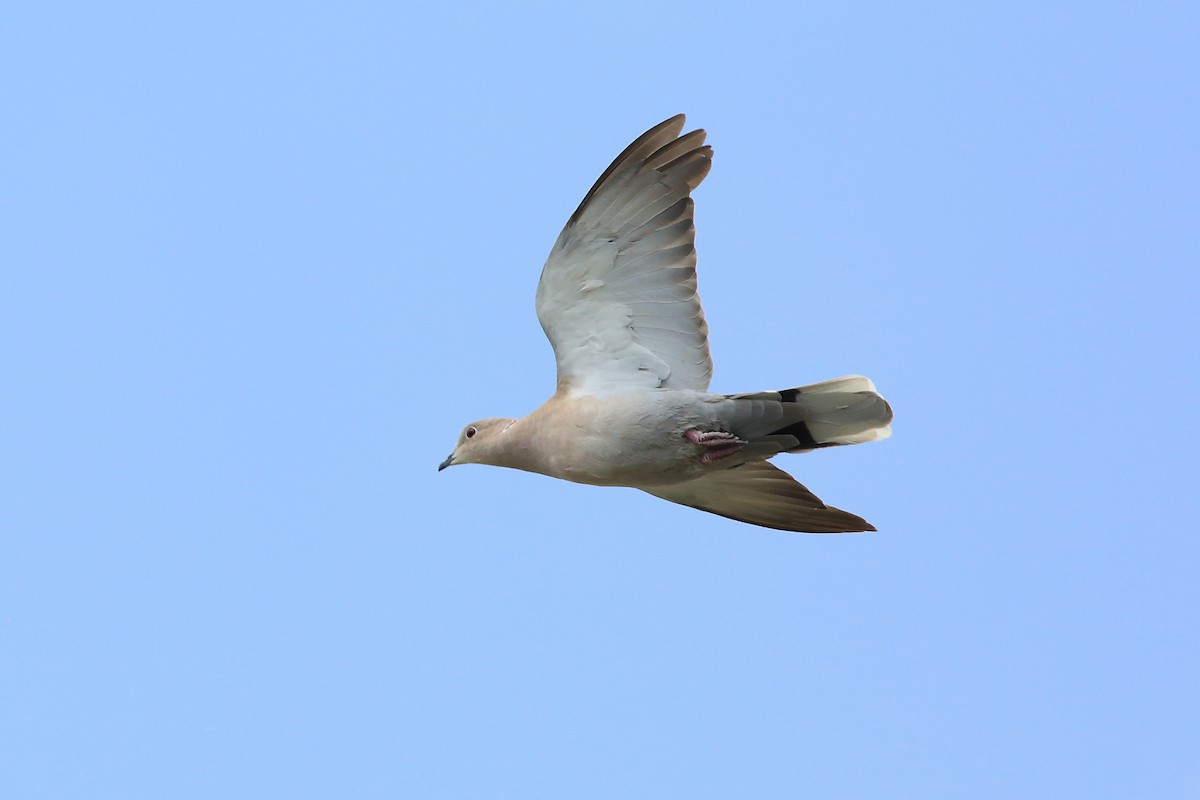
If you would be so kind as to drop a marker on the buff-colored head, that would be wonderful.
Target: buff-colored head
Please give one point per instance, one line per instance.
(477, 442)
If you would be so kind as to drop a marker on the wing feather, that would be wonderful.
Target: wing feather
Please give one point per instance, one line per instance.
(625, 265)
(761, 494)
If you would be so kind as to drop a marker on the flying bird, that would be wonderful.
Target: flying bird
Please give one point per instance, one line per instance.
(617, 300)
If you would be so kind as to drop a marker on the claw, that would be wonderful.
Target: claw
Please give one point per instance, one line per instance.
(711, 438)
(717, 444)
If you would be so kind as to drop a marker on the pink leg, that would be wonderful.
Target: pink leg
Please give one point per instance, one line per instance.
(717, 444)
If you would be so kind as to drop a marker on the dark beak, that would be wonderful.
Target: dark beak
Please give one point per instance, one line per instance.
(449, 461)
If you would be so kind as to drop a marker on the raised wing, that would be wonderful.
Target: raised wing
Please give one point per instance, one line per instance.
(761, 494)
(617, 297)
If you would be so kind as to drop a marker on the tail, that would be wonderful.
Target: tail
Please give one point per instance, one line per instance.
(841, 411)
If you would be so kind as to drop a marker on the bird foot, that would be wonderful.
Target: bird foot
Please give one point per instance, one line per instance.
(717, 444)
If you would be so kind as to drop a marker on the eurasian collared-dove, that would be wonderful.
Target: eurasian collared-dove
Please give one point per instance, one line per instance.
(617, 299)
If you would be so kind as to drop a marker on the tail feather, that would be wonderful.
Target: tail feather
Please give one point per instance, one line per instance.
(836, 412)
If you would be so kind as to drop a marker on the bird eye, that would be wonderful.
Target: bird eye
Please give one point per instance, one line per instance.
(470, 431)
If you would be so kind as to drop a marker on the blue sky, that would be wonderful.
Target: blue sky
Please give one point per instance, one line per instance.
(263, 261)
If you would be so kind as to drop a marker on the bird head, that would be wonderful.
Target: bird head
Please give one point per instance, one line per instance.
(476, 442)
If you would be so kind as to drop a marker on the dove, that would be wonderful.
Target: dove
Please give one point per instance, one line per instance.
(618, 301)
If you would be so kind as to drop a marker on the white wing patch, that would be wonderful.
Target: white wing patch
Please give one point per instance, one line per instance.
(617, 297)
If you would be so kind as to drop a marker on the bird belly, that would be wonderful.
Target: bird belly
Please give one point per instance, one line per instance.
(637, 440)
